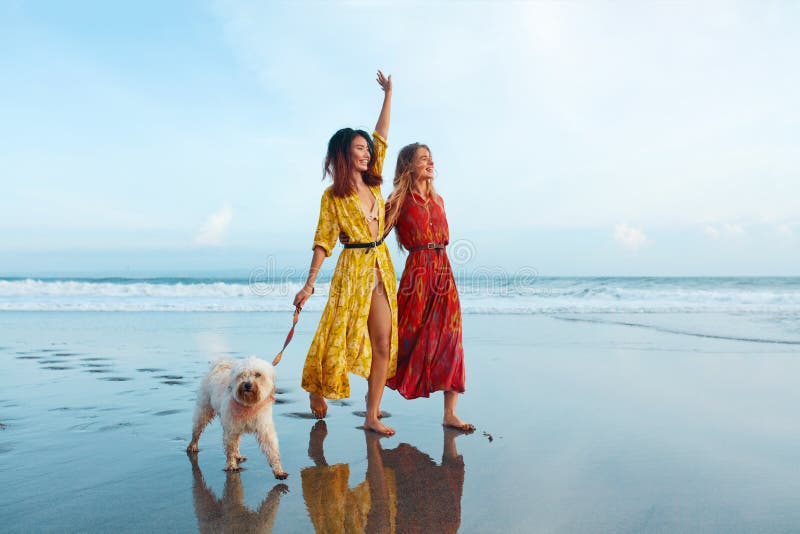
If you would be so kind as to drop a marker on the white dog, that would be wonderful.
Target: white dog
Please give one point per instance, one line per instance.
(242, 393)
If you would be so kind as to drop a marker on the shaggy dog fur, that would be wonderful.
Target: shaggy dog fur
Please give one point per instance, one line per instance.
(242, 393)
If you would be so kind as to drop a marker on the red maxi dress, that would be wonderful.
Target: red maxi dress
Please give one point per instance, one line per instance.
(430, 354)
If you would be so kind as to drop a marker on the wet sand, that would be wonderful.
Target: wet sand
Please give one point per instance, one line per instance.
(665, 425)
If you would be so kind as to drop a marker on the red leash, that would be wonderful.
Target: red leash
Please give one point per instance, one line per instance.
(288, 336)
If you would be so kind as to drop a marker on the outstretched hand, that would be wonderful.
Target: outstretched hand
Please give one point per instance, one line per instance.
(384, 82)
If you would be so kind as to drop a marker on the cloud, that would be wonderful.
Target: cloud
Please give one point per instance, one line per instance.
(215, 226)
(728, 230)
(648, 132)
(733, 230)
(711, 232)
(784, 230)
(629, 237)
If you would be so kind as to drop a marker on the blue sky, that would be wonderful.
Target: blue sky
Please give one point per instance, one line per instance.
(627, 138)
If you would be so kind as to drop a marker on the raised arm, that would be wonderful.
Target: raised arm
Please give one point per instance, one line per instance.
(382, 126)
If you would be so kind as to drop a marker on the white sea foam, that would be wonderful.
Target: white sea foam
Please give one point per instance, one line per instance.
(478, 295)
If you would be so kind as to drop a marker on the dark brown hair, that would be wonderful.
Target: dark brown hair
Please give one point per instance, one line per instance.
(339, 165)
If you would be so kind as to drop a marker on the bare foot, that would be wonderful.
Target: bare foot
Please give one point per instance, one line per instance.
(316, 439)
(376, 426)
(453, 421)
(318, 405)
(192, 448)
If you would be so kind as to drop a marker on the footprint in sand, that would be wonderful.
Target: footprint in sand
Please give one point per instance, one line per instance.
(299, 415)
(169, 412)
(118, 426)
(383, 415)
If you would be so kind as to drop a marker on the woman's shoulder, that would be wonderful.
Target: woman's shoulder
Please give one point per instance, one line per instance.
(378, 139)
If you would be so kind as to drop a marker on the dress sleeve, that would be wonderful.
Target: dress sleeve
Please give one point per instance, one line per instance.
(328, 226)
(380, 153)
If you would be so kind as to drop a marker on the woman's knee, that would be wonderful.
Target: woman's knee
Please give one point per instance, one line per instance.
(381, 348)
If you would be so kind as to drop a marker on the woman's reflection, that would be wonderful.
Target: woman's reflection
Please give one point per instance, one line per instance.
(404, 490)
(230, 514)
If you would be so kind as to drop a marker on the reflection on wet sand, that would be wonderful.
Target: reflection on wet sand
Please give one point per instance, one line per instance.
(404, 489)
(230, 514)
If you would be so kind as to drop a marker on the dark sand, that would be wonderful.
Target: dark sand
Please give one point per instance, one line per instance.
(583, 426)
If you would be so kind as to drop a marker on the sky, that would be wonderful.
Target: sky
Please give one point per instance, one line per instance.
(575, 138)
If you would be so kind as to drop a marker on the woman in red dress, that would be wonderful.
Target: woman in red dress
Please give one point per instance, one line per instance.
(430, 352)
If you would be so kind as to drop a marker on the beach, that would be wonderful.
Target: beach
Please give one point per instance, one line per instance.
(586, 422)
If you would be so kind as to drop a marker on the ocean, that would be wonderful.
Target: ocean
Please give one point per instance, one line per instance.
(489, 292)
(602, 405)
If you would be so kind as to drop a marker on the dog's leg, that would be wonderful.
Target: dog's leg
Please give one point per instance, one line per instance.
(230, 442)
(233, 494)
(268, 439)
(203, 415)
(237, 453)
(268, 510)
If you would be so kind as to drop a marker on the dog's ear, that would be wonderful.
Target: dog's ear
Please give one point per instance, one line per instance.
(271, 397)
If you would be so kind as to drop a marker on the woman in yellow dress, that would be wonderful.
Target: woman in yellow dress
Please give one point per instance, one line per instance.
(358, 329)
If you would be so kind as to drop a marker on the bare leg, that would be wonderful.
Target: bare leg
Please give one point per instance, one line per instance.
(450, 417)
(379, 516)
(316, 438)
(380, 336)
(449, 450)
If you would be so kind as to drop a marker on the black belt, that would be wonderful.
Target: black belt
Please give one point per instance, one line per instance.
(366, 246)
(429, 246)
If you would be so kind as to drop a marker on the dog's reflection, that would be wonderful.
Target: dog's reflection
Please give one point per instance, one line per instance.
(230, 514)
(404, 489)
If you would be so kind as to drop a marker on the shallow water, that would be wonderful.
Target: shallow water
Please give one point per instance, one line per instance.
(614, 424)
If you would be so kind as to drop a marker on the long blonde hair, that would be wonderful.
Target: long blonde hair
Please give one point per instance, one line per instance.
(403, 183)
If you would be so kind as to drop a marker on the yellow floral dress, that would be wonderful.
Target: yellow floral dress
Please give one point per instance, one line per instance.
(341, 344)
(333, 507)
